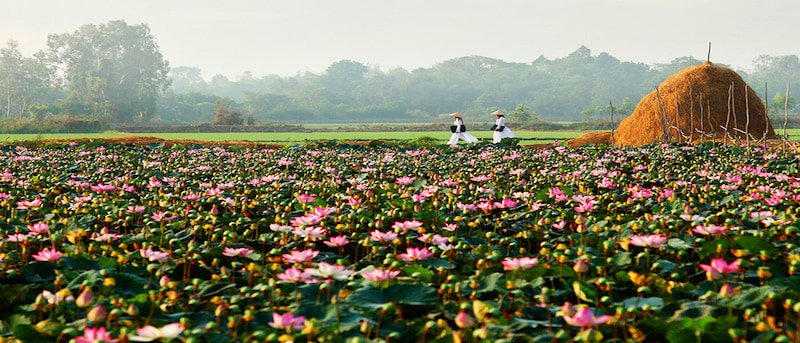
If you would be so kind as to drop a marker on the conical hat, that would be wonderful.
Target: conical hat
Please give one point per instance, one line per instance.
(498, 113)
(455, 114)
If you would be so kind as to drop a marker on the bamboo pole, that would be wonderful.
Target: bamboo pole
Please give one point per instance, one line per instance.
(691, 114)
(612, 122)
(702, 132)
(785, 111)
(747, 112)
(663, 115)
(785, 116)
(678, 117)
(728, 118)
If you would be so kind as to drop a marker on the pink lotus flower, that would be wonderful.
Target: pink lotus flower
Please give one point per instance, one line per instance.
(287, 321)
(404, 180)
(329, 271)
(337, 241)
(25, 205)
(39, 228)
(555, 191)
(412, 225)
(17, 237)
(103, 188)
(649, 241)
(584, 207)
(312, 233)
(135, 209)
(415, 254)
(380, 236)
(450, 227)
(584, 317)
(293, 275)
(234, 252)
(161, 216)
(191, 196)
(323, 212)
(710, 230)
(719, 268)
(149, 253)
(515, 263)
(296, 256)
(306, 220)
(354, 202)
(305, 198)
(47, 255)
(150, 333)
(560, 225)
(467, 207)
(481, 178)
(93, 335)
(280, 228)
(606, 183)
(378, 275)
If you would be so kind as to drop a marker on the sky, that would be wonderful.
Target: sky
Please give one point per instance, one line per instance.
(287, 37)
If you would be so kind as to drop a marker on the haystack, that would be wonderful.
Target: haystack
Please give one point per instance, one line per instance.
(699, 102)
(706, 101)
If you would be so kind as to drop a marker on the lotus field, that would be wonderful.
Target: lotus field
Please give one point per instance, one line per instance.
(349, 243)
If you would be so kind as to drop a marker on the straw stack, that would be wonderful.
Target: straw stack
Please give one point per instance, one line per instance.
(700, 102)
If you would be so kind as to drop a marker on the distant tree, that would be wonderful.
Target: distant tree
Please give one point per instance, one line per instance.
(115, 67)
(23, 80)
(191, 107)
(343, 77)
(225, 115)
(779, 105)
(522, 114)
(185, 79)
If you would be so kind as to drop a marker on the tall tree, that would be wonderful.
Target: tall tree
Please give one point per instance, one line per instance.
(23, 80)
(115, 67)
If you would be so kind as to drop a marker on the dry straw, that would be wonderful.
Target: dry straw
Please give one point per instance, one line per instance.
(733, 110)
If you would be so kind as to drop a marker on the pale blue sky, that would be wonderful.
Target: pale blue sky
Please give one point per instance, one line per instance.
(285, 37)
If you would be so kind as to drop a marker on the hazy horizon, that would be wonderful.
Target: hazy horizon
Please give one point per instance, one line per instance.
(287, 38)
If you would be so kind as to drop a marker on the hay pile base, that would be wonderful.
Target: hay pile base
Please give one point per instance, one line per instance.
(699, 102)
(592, 138)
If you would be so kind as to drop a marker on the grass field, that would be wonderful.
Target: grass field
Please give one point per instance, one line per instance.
(299, 137)
(529, 137)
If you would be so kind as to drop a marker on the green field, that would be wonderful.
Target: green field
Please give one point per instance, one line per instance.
(299, 137)
(529, 137)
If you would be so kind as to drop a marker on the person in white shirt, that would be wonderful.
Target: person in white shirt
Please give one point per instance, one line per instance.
(459, 131)
(500, 129)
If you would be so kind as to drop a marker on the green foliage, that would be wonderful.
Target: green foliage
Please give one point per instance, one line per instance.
(113, 64)
(58, 124)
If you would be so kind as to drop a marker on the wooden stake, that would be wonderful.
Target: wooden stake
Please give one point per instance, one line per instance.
(691, 114)
(747, 112)
(678, 117)
(612, 122)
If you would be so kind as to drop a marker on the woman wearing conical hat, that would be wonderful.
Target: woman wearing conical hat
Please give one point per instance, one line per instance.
(500, 129)
(459, 131)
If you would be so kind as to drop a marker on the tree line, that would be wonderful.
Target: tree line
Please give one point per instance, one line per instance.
(115, 73)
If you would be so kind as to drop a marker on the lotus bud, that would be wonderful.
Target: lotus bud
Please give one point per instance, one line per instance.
(464, 320)
(581, 266)
(726, 290)
(84, 299)
(97, 314)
